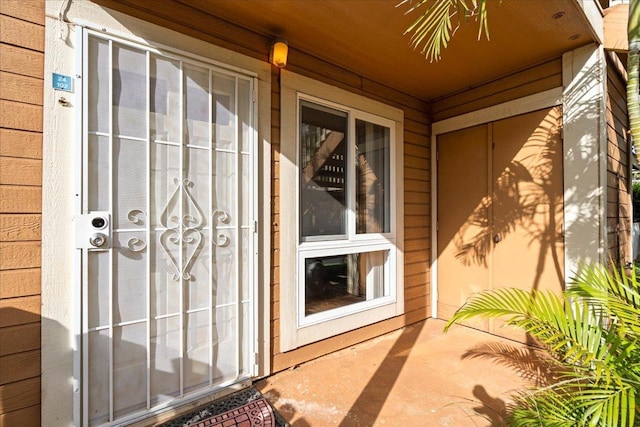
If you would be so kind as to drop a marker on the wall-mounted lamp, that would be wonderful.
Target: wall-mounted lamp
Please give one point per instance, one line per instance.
(278, 53)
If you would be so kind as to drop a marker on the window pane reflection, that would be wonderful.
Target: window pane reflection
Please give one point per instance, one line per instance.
(322, 170)
(337, 281)
(372, 176)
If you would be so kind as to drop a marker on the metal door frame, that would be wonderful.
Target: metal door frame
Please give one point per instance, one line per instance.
(79, 345)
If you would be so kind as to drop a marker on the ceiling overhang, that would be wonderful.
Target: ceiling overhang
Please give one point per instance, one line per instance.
(367, 37)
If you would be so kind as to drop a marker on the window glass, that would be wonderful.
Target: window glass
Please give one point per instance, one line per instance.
(329, 191)
(323, 155)
(372, 177)
(340, 280)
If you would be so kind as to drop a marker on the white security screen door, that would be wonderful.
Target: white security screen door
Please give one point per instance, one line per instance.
(167, 229)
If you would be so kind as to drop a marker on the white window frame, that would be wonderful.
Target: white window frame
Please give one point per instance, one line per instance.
(296, 328)
(351, 242)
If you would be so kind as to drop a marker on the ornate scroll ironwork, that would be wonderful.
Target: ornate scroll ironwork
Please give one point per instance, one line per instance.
(182, 220)
(181, 228)
(137, 217)
(221, 216)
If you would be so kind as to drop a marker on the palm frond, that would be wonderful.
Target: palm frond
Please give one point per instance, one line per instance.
(483, 28)
(576, 403)
(434, 28)
(542, 409)
(609, 406)
(590, 333)
(495, 303)
(616, 294)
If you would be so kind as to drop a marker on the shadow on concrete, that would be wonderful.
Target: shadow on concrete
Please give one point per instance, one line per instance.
(368, 405)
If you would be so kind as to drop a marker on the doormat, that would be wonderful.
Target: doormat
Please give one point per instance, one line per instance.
(246, 408)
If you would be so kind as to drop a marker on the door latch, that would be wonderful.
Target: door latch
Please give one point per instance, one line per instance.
(93, 230)
(98, 240)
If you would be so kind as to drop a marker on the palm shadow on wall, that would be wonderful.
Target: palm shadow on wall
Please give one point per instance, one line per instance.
(576, 162)
(523, 200)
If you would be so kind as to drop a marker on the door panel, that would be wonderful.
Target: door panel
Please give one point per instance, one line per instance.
(500, 219)
(462, 217)
(168, 307)
(528, 204)
(528, 207)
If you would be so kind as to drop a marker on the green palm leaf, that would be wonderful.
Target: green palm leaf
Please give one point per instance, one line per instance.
(575, 403)
(434, 28)
(591, 334)
(615, 294)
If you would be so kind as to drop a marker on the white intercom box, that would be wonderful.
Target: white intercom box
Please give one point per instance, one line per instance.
(93, 230)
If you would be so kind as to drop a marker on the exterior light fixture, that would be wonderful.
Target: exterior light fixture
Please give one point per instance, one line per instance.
(278, 54)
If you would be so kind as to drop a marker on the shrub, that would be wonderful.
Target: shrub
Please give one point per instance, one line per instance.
(589, 335)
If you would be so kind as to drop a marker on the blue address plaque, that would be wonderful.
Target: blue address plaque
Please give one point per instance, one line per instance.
(62, 82)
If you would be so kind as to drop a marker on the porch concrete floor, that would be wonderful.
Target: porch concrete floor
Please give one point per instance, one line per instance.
(417, 376)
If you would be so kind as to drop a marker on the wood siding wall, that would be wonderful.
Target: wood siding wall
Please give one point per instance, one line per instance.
(524, 83)
(199, 23)
(618, 170)
(21, 93)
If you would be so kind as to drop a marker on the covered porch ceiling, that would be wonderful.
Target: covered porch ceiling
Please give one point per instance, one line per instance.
(367, 37)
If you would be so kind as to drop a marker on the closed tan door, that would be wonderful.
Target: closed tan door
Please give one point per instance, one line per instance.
(500, 209)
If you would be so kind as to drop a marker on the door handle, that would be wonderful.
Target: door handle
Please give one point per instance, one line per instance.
(98, 240)
(497, 239)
